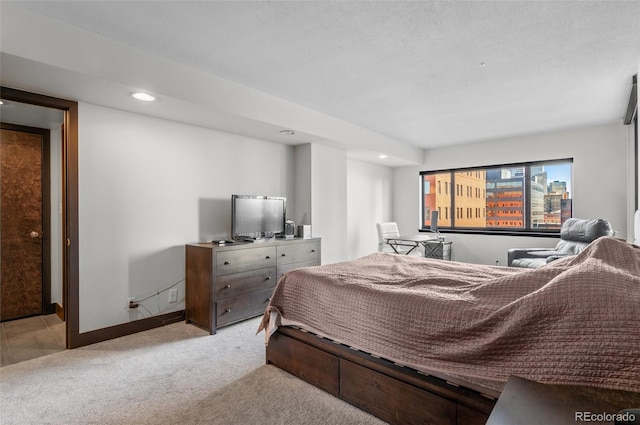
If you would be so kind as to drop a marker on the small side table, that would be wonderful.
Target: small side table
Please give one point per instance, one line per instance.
(438, 248)
(525, 402)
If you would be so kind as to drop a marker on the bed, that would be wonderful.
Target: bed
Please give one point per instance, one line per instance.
(415, 340)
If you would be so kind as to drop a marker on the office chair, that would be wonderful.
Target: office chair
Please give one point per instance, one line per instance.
(390, 230)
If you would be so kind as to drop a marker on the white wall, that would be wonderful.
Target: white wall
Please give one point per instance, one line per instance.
(631, 231)
(633, 185)
(600, 182)
(344, 203)
(329, 201)
(369, 196)
(303, 186)
(149, 186)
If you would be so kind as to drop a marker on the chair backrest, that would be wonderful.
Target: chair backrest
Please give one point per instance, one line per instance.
(434, 221)
(577, 233)
(584, 230)
(636, 228)
(387, 230)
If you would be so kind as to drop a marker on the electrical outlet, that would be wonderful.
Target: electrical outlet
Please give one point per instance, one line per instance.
(173, 295)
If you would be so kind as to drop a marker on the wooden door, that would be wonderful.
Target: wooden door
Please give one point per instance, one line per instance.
(21, 224)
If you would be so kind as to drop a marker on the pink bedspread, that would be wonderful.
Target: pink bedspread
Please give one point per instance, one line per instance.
(574, 321)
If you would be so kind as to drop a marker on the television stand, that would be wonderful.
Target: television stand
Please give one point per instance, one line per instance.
(229, 283)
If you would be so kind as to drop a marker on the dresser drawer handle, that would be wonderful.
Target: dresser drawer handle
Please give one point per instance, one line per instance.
(227, 310)
(313, 250)
(267, 300)
(284, 255)
(268, 277)
(227, 287)
(268, 257)
(226, 263)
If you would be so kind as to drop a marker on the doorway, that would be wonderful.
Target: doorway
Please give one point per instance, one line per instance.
(25, 201)
(63, 229)
(31, 302)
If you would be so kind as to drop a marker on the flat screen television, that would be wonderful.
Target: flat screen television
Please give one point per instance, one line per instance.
(257, 217)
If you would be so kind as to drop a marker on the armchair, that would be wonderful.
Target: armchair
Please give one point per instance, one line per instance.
(575, 235)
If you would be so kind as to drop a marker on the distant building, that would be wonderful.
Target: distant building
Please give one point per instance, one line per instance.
(566, 208)
(552, 219)
(553, 203)
(437, 194)
(557, 205)
(470, 198)
(557, 188)
(469, 191)
(538, 191)
(537, 203)
(429, 190)
(540, 177)
(505, 198)
(536, 170)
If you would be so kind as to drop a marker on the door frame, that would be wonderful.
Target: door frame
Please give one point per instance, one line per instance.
(70, 255)
(45, 218)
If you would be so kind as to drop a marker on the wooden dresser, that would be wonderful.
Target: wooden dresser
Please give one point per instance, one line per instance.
(229, 283)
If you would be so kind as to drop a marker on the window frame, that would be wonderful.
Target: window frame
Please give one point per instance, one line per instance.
(528, 230)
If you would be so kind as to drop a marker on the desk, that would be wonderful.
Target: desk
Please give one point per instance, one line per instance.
(434, 246)
(525, 402)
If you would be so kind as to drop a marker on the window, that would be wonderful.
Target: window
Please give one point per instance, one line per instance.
(520, 198)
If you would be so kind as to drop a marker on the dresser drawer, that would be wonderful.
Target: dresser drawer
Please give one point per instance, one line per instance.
(232, 285)
(242, 307)
(299, 252)
(228, 262)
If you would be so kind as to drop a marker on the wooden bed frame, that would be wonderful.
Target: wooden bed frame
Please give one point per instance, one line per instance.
(395, 394)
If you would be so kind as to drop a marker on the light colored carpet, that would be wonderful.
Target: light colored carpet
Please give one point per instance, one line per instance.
(177, 374)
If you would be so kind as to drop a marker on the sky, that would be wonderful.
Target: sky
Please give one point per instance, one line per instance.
(560, 172)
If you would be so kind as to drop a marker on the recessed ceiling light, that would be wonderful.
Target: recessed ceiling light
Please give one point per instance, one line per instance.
(145, 97)
(382, 156)
(287, 132)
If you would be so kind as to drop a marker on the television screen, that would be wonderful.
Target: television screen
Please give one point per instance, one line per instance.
(257, 216)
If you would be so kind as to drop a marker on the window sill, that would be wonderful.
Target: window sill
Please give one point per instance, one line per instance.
(498, 232)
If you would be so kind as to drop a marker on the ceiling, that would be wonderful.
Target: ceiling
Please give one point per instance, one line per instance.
(423, 74)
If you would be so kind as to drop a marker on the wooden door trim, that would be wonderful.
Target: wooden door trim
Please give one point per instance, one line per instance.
(71, 267)
(47, 307)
